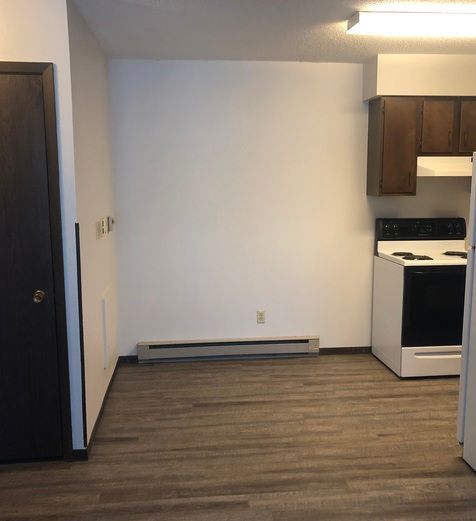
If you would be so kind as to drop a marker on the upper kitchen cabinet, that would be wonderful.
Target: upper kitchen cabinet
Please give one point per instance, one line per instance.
(403, 128)
(439, 126)
(467, 137)
(448, 126)
(394, 139)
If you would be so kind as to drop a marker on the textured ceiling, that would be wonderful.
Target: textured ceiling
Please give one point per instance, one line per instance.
(291, 30)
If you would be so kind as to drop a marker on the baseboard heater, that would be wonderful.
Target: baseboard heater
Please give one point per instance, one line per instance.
(166, 350)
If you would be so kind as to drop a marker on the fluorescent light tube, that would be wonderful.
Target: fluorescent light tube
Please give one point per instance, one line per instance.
(436, 24)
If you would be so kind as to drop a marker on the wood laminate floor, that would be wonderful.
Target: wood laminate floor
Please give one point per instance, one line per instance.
(306, 439)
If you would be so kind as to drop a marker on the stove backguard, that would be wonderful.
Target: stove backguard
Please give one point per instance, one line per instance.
(448, 228)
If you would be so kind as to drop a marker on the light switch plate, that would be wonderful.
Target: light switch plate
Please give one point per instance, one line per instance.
(110, 224)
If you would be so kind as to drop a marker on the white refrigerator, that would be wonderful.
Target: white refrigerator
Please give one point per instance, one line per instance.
(467, 395)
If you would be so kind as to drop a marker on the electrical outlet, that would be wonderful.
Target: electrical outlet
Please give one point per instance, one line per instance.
(105, 225)
(102, 228)
(260, 316)
(99, 230)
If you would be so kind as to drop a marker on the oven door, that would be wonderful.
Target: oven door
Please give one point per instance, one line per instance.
(433, 302)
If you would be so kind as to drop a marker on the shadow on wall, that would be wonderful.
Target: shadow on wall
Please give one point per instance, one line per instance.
(436, 197)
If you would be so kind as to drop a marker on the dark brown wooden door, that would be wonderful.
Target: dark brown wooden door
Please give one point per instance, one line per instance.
(30, 398)
(438, 126)
(467, 140)
(400, 139)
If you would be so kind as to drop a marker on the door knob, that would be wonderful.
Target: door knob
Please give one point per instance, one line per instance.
(39, 296)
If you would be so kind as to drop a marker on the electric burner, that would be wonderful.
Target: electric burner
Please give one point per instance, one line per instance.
(402, 253)
(455, 253)
(417, 257)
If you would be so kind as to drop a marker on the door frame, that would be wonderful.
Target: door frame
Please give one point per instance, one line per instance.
(46, 71)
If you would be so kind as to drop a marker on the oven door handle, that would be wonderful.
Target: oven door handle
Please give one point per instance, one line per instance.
(439, 356)
(436, 270)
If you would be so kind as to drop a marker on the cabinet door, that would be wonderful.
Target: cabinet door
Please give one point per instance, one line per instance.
(467, 139)
(400, 141)
(438, 126)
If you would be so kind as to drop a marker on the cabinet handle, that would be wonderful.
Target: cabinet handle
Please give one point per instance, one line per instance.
(466, 138)
(410, 178)
(449, 138)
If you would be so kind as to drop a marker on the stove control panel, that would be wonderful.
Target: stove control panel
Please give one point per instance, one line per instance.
(420, 229)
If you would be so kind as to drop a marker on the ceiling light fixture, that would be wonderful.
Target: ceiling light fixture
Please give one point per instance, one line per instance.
(437, 24)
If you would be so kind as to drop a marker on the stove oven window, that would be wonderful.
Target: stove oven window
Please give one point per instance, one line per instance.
(433, 305)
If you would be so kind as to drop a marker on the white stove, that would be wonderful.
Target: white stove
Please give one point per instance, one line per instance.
(418, 295)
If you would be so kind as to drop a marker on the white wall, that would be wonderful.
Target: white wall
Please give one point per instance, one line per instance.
(437, 197)
(37, 31)
(241, 186)
(94, 200)
(420, 75)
